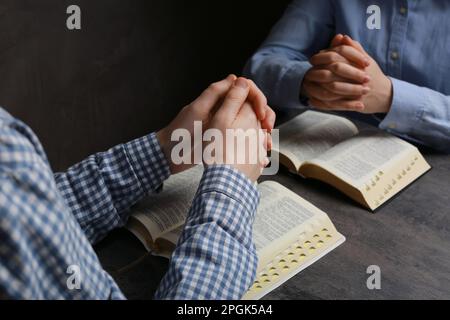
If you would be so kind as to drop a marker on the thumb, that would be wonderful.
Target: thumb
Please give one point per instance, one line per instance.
(234, 100)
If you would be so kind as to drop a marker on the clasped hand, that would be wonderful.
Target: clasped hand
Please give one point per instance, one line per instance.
(233, 103)
(345, 78)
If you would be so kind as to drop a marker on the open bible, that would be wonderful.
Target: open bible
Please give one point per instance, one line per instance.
(289, 233)
(368, 166)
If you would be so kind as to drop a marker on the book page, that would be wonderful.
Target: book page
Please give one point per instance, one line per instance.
(174, 235)
(166, 211)
(290, 234)
(165, 245)
(361, 158)
(282, 217)
(313, 133)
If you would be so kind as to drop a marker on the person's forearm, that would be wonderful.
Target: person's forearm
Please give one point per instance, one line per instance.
(215, 256)
(100, 190)
(278, 76)
(419, 114)
(279, 66)
(42, 246)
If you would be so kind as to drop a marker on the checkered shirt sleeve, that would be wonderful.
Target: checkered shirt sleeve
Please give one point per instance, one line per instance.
(215, 256)
(100, 190)
(49, 222)
(41, 243)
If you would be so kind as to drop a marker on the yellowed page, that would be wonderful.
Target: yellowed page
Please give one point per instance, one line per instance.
(311, 134)
(360, 158)
(376, 163)
(290, 234)
(167, 242)
(280, 213)
(386, 184)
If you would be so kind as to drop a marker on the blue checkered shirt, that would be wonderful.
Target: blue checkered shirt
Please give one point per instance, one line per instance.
(49, 222)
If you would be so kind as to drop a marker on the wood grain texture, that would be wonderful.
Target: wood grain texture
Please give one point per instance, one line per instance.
(408, 238)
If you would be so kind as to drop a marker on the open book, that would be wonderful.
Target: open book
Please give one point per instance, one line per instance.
(369, 166)
(289, 233)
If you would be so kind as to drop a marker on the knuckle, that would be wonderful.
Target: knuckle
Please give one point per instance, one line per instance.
(361, 75)
(354, 72)
(334, 56)
(235, 96)
(337, 67)
(214, 87)
(194, 107)
(339, 49)
(272, 115)
(325, 93)
(327, 74)
(359, 90)
(333, 86)
(263, 99)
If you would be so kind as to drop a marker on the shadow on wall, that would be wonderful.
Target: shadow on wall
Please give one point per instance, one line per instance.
(128, 71)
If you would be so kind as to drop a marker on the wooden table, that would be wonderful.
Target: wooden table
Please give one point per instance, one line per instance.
(408, 238)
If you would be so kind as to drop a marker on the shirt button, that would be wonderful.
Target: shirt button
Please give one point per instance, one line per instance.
(392, 126)
(394, 55)
(403, 10)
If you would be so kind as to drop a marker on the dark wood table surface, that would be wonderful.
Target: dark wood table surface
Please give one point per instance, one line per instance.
(408, 238)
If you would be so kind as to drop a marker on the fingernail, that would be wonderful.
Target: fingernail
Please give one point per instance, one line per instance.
(360, 106)
(241, 83)
(367, 62)
(366, 90)
(366, 79)
(232, 77)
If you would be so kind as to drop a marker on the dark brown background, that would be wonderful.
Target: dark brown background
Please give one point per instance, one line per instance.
(128, 71)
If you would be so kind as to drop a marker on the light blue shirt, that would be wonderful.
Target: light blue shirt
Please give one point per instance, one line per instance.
(412, 47)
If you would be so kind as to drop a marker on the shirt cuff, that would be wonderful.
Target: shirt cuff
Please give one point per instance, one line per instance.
(229, 181)
(148, 162)
(408, 105)
(289, 87)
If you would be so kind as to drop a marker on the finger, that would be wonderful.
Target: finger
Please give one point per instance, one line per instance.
(349, 72)
(263, 147)
(234, 100)
(214, 93)
(247, 112)
(258, 100)
(346, 89)
(352, 54)
(327, 57)
(322, 76)
(337, 40)
(320, 93)
(350, 42)
(270, 142)
(338, 105)
(269, 121)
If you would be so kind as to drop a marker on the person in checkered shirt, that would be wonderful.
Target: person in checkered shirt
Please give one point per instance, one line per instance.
(49, 222)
